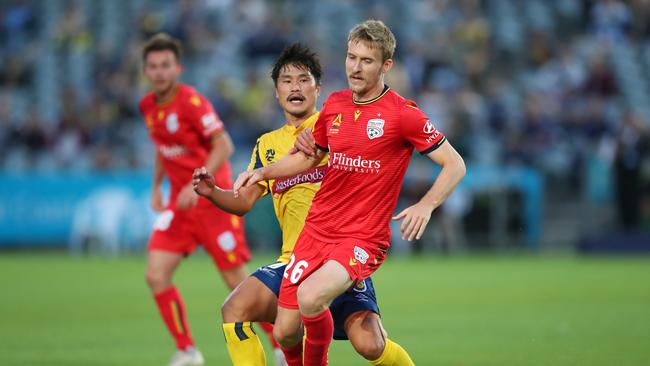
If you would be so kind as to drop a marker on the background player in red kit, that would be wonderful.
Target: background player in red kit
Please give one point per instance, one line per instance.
(187, 133)
(370, 132)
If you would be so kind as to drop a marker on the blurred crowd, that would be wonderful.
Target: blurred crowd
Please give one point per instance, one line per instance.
(556, 85)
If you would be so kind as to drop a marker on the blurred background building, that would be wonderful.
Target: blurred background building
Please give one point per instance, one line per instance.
(548, 101)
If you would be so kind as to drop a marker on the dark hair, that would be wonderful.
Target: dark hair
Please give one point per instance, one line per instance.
(300, 56)
(162, 42)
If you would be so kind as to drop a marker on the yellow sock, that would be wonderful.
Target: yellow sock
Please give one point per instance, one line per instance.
(393, 355)
(244, 345)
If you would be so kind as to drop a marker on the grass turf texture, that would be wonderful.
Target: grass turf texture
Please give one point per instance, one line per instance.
(61, 310)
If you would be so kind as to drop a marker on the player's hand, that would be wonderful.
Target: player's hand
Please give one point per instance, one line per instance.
(247, 179)
(157, 203)
(304, 142)
(415, 220)
(202, 182)
(187, 198)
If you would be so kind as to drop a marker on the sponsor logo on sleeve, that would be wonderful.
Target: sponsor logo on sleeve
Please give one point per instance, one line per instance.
(210, 122)
(433, 137)
(433, 133)
(428, 128)
(375, 128)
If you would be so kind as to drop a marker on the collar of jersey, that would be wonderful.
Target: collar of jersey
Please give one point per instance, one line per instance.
(309, 122)
(363, 102)
(178, 87)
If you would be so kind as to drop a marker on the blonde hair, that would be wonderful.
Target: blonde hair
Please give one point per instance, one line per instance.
(375, 34)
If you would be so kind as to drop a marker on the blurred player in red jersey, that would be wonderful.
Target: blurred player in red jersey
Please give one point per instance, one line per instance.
(187, 133)
(370, 132)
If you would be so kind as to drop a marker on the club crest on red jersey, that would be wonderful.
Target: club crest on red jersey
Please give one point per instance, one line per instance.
(172, 123)
(375, 128)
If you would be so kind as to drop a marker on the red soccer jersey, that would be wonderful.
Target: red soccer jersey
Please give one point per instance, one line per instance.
(181, 129)
(370, 145)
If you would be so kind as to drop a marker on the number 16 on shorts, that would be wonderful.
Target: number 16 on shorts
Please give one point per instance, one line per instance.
(292, 273)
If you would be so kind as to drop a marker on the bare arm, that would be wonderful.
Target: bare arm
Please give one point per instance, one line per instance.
(220, 151)
(203, 183)
(288, 165)
(158, 175)
(417, 216)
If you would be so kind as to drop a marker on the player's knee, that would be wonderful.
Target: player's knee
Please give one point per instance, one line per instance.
(232, 312)
(311, 300)
(370, 348)
(156, 280)
(286, 337)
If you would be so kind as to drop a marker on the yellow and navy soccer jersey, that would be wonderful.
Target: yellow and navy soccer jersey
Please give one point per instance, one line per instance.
(291, 196)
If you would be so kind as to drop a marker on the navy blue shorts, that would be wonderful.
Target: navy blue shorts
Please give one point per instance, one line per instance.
(361, 297)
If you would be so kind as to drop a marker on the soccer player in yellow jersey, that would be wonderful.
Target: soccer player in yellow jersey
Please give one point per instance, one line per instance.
(296, 75)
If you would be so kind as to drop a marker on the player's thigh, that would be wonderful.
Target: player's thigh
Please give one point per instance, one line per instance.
(364, 324)
(161, 263)
(252, 300)
(234, 276)
(366, 333)
(308, 256)
(324, 284)
(360, 299)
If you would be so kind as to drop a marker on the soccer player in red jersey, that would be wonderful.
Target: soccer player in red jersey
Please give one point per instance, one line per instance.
(187, 133)
(370, 132)
(296, 76)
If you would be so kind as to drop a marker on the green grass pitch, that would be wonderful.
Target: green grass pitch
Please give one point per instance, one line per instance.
(61, 310)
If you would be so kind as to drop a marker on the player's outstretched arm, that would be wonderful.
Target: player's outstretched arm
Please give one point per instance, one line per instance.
(305, 142)
(416, 217)
(203, 183)
(289, 165)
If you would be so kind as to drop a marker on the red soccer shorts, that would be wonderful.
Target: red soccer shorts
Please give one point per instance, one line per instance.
(220, 233)
(359, 258)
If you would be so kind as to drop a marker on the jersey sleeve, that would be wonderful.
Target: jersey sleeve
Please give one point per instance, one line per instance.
(202, 115)
(144, 107)
(320, 130)
(256, 162)
(418, 130)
